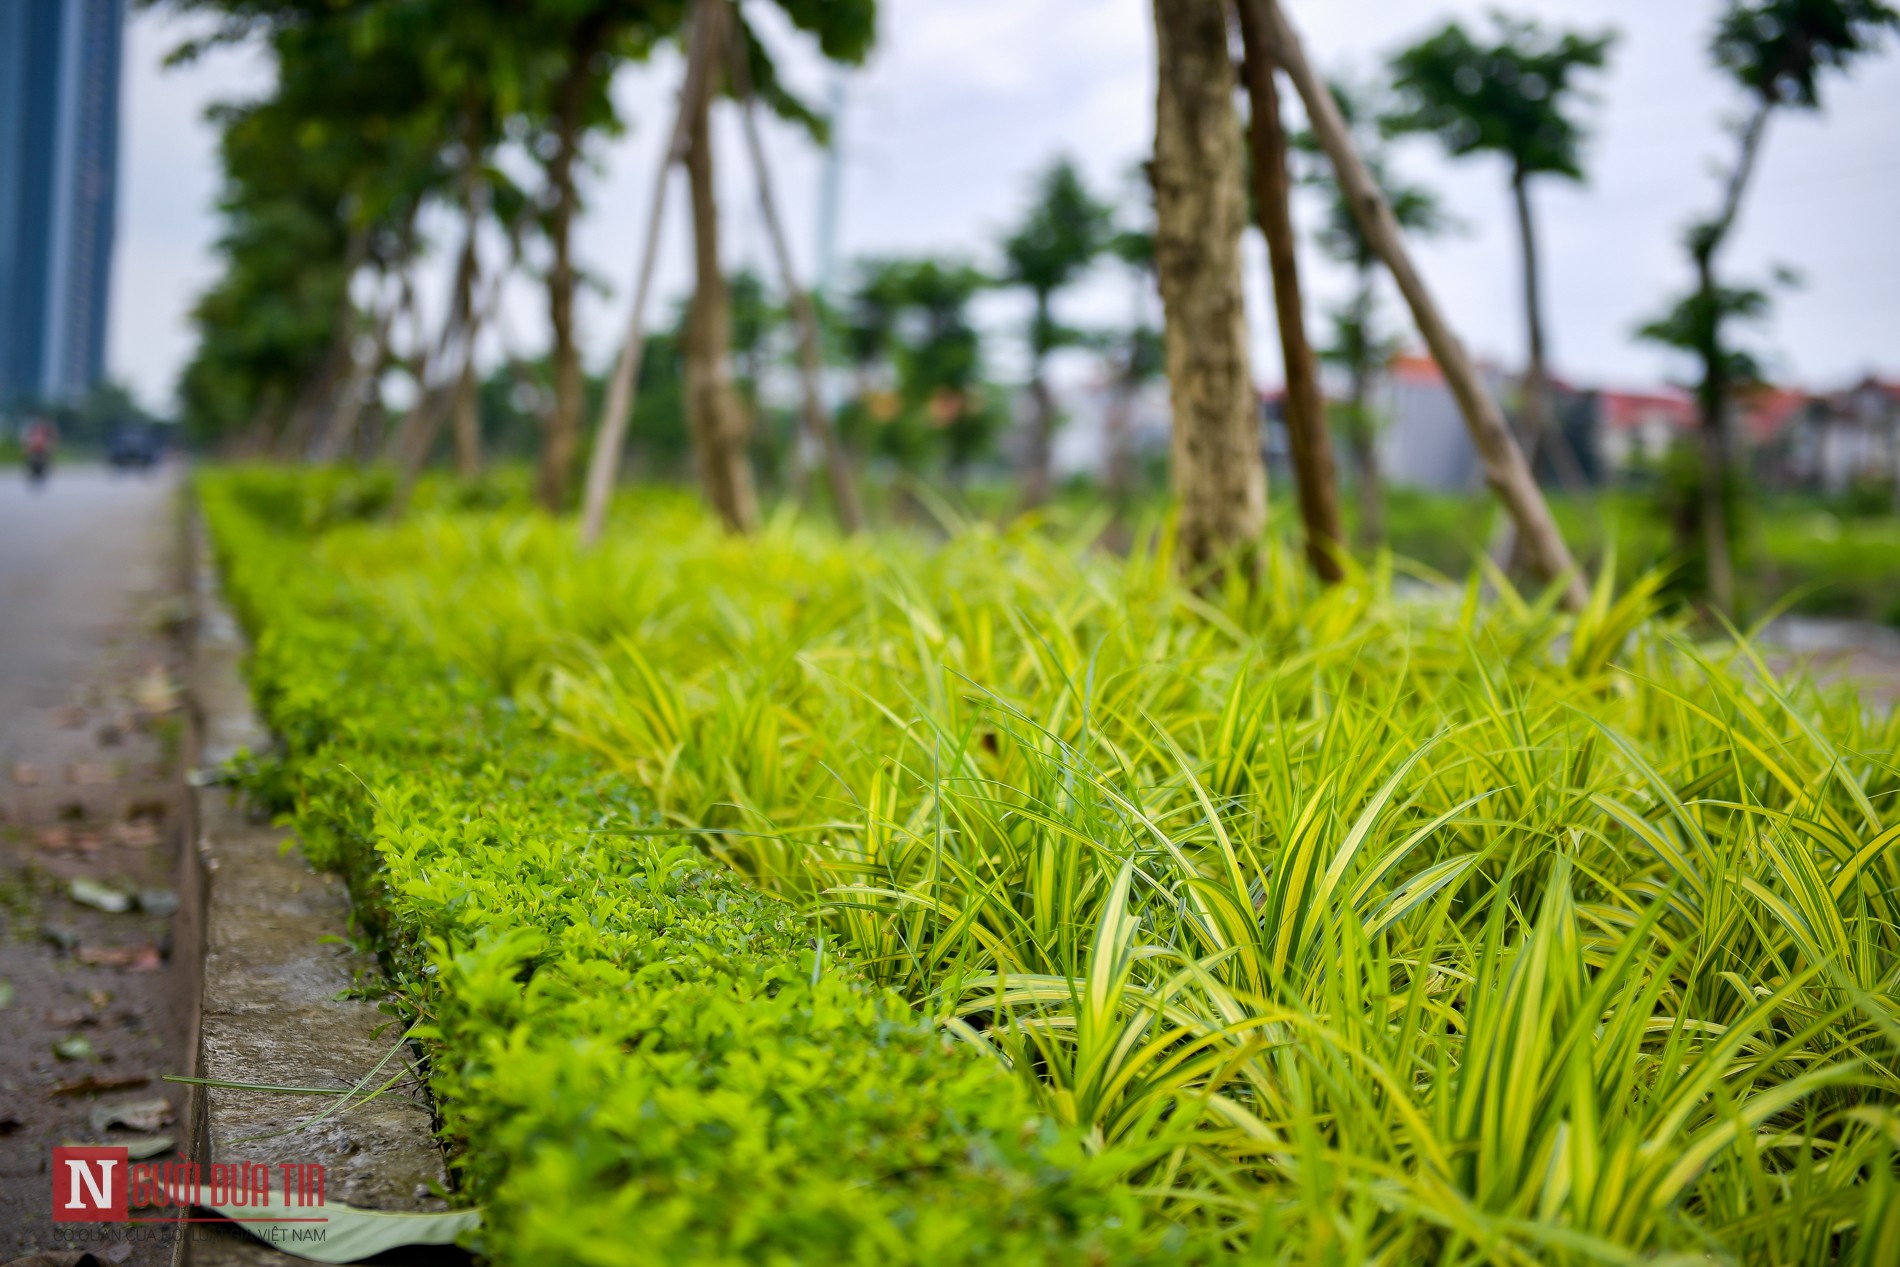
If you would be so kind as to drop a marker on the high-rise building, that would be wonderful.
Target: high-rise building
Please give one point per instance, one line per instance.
(59, 156)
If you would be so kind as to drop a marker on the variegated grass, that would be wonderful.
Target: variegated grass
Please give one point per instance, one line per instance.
(1391, 922)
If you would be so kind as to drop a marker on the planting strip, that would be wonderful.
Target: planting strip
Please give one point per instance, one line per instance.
(278, 965)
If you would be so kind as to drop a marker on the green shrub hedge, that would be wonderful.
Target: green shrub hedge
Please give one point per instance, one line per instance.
(637, 1057)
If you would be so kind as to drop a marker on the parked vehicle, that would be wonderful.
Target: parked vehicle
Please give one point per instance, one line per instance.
(135, 446)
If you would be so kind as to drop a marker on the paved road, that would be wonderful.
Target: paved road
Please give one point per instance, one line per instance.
(89, 721)
(71, 556)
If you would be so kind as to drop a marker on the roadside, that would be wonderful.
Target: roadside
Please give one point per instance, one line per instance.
(1855, 651)
(92, 1006)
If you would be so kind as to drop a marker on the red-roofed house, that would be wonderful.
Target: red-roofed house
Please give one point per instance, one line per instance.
(1635, 426)
(1841, 440)
(1425, 443)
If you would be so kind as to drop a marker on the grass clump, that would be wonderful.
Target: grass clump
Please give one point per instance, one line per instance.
(1316, 926)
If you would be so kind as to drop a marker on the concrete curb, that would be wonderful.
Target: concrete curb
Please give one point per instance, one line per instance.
(273, 1008)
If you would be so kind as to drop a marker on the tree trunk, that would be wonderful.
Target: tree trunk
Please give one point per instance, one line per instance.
(255, 441)
(293, 444)
(416, 437)
(339, 430)
(717, 420)
(1315, 478)
(1042, 409)
(817, 420)
(465, 418)
(468, 427)
(1505, 469)
(1712, 417)
(603, 465)
(1219, 474)
(1536, 385)
(318, 399)
(1712, 399)
(1118, 474)
(339, 433)
(1360, 436)
(421, 368)
(1540, 426)
(560, 441)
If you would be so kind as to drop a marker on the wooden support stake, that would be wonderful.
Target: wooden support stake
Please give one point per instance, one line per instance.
(603, 465)
(1315, 479)
(817, 423)
(1504, 466)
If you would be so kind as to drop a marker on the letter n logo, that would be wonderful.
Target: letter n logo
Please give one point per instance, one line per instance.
(89, 1185)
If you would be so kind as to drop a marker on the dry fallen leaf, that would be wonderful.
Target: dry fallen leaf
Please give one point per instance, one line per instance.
(140, 833)
(26, 774)
(133, 1115)
(140, 1149)
(91, 1084)
(74, 1047)
(155, 692)
(91, 774)
(128, 958)
(65, 839)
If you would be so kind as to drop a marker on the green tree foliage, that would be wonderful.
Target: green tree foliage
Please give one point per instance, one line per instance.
(1701, 319)
(1513, 95)
(1777, 52)
(382, 107)
(1779, 49)
(1063, 233)
(329, 160)
(921, 395)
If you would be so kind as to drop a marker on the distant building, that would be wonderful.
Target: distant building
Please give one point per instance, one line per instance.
(1790, 438)
(1424, 442)
(1082, 443)
(59, 144)
(1637, 428)
(1844, 439)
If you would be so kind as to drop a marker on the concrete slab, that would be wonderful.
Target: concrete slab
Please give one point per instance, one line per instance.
(286, 996)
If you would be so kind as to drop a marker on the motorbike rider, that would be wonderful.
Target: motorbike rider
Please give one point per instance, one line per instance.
(39, 441)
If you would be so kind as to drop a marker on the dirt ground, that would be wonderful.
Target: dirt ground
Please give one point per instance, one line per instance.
(91, 723)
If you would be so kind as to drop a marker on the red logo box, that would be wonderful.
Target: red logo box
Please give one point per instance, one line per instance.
(89, 1185)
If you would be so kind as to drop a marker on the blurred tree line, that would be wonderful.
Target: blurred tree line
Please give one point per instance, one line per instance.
(397, 129)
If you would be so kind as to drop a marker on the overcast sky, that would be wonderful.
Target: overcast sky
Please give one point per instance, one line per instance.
(966, 99)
